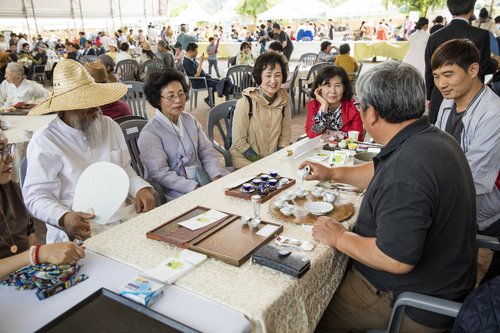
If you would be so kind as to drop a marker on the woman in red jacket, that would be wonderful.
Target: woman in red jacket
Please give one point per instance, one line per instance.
(331, 111)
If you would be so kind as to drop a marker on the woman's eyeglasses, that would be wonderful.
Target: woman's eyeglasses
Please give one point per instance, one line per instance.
(10, 149)
(171, 98)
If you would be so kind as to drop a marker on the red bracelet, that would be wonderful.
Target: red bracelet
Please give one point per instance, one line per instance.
(36, 260)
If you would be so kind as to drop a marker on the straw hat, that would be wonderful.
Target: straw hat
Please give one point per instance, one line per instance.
(146, 46)
(97, 71)
(113, 44)
(75, 89)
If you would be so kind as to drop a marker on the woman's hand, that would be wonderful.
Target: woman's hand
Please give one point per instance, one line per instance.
(61, 253)
(321, 99)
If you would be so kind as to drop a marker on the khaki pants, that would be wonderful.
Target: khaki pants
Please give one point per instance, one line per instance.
(358, 306)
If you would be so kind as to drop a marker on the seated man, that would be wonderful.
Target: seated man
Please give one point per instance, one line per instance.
(470, 113)
(78, 137)
(195, 69)
(16, 88)
(325, 54)
(416, 228)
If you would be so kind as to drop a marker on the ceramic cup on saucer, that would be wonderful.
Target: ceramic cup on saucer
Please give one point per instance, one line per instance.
(317, 191)
(256, 182)
(300, 191)
(273, 174)
(287, 210)
(329, 197)
(273, 183)
(245, 219)
(279, 202)
(264, 178)
(247, 187)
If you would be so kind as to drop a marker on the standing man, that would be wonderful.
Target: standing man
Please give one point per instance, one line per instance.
(416, 226)
(78, 137)
(183, 38)
(459, 27)
(262, 39)
(470, 113)
(284, 39)
(165, 54)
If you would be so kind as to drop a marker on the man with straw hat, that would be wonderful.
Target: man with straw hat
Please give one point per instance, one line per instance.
(78, 137)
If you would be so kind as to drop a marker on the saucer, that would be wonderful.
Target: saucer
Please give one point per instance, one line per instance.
(319, 207)
(318, 193)
(300, 195)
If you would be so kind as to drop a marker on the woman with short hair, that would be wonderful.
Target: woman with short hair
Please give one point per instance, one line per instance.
(245, 56)
(174, 149)
(262, 117)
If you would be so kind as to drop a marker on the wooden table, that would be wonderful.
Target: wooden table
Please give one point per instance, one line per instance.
(273, 301)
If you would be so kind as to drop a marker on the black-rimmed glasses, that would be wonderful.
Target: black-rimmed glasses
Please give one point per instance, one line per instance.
(10, 149)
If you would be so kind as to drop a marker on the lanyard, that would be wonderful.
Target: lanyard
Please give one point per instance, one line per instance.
(180, 141)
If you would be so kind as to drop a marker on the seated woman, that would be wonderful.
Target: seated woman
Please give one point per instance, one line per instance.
(16, 88)
(17, 237)
(331, 111)
(262, 118)
(175, 151)
(345, 61)
(245, 56)
(146, 55)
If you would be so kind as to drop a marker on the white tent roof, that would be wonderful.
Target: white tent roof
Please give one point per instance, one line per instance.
(90, 8)
(193, 13)
(362, 9)
(227, 12)
(297, 9)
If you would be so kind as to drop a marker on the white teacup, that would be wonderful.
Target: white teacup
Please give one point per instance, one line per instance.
(329, 197)
(304, 172)
(299, 212)
(283, 181)
(287, 210)
(279, 202)
(353, 135)
(317, 191)
(245, 219)
(300, 191)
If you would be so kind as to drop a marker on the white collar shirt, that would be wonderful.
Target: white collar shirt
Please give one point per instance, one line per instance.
(27, 91)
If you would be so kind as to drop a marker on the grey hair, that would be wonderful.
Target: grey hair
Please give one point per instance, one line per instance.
(394, 89)
(16, 68)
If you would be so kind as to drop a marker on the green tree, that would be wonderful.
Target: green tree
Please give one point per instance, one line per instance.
(252, 7)
(421, 5)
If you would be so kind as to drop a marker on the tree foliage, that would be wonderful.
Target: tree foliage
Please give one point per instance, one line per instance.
(421, 5)
(252, 7)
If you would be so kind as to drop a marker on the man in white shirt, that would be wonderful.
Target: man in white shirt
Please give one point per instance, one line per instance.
(78, 137)
(22, 39)
(16, 88)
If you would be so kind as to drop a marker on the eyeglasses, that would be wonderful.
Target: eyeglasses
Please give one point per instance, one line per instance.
(10, 149)
(171, 98)
(358, 105)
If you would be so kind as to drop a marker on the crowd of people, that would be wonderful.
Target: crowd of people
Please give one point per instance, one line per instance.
(428, 193)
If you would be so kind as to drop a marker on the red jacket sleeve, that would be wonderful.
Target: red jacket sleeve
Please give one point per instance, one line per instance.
(312, 109)
(351, 118)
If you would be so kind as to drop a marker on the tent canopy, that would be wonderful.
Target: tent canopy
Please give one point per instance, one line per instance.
(193, 13)
(297, 9)
(363, 9)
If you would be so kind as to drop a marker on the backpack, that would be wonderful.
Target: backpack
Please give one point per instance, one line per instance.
(229, 136)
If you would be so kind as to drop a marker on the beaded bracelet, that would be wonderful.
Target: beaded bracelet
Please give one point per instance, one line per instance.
(36, 259)
(32, 262)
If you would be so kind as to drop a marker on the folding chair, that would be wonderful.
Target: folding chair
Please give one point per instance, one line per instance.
(39, 73)
(127, 70)
(241, 77)
(154, 66)
(136, 99)
(218, 118)
(131, 130)
(308, 59)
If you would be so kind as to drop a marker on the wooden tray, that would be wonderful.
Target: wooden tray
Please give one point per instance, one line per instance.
(232, 241)
(238, 193)
(228, 239)
(342, 210)
(180, 236)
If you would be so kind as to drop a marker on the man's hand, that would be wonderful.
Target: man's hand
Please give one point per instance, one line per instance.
(61, 253)
(318, 171)
(144, 200)
(327, 231)
(76, 224)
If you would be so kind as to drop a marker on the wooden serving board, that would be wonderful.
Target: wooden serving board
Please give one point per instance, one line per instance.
(232, 241)
(342, 210)
(238, 193)
(227, 239)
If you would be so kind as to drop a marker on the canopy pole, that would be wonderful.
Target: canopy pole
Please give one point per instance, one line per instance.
(81, 14)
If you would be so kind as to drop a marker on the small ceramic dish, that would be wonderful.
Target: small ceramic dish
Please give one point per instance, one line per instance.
(318, 207)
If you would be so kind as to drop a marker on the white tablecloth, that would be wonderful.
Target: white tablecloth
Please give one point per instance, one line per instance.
(273, 301)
